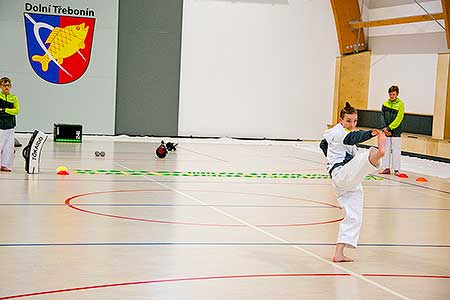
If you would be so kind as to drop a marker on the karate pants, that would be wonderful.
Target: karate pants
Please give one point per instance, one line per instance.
(6, 147)
(347, 185)
(393, 153)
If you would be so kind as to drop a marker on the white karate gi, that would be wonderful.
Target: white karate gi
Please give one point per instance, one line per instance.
(347, 180)
(393, 153)
(6, 147)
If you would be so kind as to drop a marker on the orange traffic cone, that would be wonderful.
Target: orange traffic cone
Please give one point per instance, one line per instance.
(421, 179)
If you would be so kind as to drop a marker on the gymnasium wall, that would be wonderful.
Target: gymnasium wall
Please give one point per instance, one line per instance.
(81, 87)
(405, 55)
(148, 70)
(257, 68)
(249, 68)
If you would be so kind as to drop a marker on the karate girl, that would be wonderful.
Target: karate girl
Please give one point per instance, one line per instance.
(348, 168)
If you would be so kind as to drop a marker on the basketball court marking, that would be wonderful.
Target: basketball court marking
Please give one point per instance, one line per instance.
(221, 205)
(214, 244)
(75, 206)
(417, 185)
(216, 278)
(204, 155)
(386, 289)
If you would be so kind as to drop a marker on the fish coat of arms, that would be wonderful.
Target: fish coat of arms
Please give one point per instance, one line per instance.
(59, 47)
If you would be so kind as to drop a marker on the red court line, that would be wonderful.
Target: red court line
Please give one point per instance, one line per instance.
(171, 280)
(69, 204)
(211, 278)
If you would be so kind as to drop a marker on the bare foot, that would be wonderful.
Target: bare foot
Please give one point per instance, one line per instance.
(5, 169)
(338, 259)
(381, 140)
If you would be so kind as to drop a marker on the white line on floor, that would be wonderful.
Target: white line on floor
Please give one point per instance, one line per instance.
(386, 289)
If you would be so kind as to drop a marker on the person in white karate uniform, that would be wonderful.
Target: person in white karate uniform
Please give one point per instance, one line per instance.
(9, 108)
(348, 167)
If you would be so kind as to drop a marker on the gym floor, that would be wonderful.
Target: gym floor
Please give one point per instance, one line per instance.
(212, 220)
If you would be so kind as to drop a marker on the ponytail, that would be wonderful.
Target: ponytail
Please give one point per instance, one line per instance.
(348, 109)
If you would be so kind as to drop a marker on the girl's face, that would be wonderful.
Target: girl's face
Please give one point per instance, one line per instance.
(393, 95)
(349, 121)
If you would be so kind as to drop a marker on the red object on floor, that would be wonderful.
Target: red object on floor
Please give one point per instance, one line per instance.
(421, 179)
(403, 175)
(63, 172)
(385, 171)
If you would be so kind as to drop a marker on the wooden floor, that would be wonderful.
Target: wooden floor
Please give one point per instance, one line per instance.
(212, 221)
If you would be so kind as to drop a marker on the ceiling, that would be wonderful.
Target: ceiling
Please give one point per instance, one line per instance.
(387, 3)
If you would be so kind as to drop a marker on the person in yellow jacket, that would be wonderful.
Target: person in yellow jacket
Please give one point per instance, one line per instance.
(392, 113)
(9, 108)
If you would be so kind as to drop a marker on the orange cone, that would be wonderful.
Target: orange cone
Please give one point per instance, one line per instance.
(421, 179)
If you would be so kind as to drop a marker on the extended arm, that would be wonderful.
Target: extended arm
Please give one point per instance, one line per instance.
(356, 137)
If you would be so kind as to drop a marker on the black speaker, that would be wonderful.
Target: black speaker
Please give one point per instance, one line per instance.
(68, 133)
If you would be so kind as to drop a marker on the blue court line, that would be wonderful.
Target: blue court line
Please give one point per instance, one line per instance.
(404, 208)
(166, 205)
(217, 244)
(220, 205)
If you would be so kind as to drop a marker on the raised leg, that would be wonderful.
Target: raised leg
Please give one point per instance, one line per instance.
(376, 154)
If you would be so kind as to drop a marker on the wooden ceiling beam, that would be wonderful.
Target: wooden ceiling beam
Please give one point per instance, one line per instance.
(395, 21)
(446, 10)
(350, 41)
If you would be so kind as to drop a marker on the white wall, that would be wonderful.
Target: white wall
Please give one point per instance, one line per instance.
(90, 100)
(257, 68)
(415, 75)
(250, 68)
(405, 55)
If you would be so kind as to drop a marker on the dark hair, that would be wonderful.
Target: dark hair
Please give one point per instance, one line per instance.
(348, 109)
(4, 80)
(393, 88)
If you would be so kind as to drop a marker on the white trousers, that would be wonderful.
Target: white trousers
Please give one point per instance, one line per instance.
(6, 147)
(393, 153)
(347, 185)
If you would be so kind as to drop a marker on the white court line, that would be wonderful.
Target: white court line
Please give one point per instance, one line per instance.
(386, 289)
(436, 194)
(201, 154)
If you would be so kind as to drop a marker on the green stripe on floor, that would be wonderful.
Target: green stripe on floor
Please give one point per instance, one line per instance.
(211, 174)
